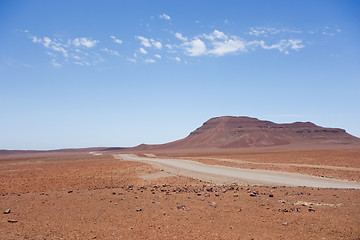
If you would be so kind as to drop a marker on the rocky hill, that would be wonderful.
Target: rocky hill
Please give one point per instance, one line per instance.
(242, 132)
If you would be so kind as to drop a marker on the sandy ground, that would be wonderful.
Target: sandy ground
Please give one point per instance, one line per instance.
(100, 197)
(225, 175)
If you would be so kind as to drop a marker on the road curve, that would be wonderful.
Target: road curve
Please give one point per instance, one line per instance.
(215, 173)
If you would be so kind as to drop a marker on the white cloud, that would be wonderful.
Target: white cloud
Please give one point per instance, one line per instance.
(265, 31)
(143, 51)
(51, 44)
(47, 41)
(178, 59)
(180, 36)
(157, 56)
(144, 41)
(84, 42)
(131, 60)
(283, 45)
(195, 47)
(216, 35)
(158, 45)
(60, 49)
(112, 52)
(228, 46)
(150, 60)
(55, 64)
(296, 44)
(116, 40)
(165, 16)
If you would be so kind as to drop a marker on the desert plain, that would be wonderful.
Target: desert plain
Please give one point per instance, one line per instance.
(83, 195)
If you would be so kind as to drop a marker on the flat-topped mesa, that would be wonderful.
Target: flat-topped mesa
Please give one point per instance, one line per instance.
(240, 124)
(242, 132)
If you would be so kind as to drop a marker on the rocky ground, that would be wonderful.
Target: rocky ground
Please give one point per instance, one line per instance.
(100, 197)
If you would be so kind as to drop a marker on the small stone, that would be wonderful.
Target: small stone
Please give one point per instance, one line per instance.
(285, 223)
(139, 210)
(70, 191)
(183, 207)
(311, 210)
(213, 204)
(7, 211)
(253, 194)
(271, 195)
(12, 221)
(216, 194)
(298, 209)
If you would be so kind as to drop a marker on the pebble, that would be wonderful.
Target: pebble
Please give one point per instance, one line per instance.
(253, 194)
(7, 211)
(12, 221)
(139, 210)
(213, 204)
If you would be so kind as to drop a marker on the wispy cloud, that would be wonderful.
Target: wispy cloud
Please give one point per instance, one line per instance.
(118, 41)
(180, 36)
(110, 51)
(150, 60)
(220, 44)
(144, 41)
(143, 51)
(84, 42)
(64, 51)
(55, 64)
(266, 31)
(165, 16)
(177, 45)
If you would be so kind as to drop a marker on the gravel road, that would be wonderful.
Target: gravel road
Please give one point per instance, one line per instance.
(225, 175)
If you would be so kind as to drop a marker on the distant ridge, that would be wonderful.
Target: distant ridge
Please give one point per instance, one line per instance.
(230, 132)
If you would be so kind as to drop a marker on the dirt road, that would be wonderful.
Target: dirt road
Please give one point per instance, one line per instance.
(226, 175)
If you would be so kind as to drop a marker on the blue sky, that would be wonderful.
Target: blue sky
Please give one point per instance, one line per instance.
(122, 73)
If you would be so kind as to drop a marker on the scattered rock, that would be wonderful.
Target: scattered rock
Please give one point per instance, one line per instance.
(139, 210)
(271, 195)
(285, 223)
(213, 204)
(70, 191)
(7, 211)
(183, 207)
(311, 210)
(12, 221)
(298, 209)
(253, 194)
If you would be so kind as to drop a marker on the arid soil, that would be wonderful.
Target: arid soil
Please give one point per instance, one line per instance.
(100, 197)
